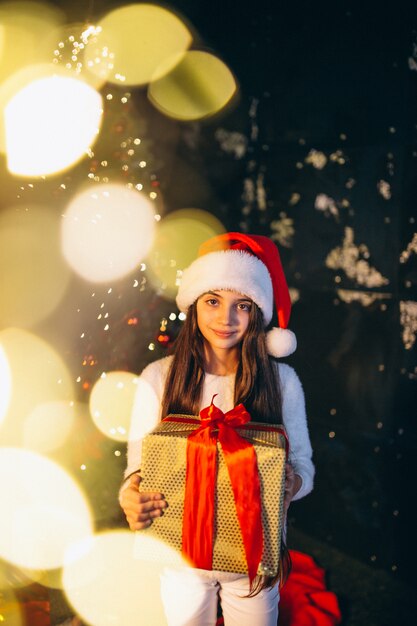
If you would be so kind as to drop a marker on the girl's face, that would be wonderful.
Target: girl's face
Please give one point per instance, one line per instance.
(223, 318)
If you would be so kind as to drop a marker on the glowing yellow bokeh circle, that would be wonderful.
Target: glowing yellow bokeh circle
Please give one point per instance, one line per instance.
(144, 41)
(50, 124)
(34, 276)
(48, 426)
(111, 402)
(24, 31)
(5, 384)
(43, 513)
(110, 585)
(199, 86)
(106, 231)
(178, 237)
(17, 81)
(37, 374)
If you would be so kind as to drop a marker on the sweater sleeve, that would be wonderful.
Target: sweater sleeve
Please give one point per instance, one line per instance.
(146, 410)
(295, 422)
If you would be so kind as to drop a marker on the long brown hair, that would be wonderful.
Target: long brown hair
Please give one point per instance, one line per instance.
(257, 380)
(256, 386)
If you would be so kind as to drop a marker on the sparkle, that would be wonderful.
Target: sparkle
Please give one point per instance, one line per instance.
(408, 320)
(348, 258)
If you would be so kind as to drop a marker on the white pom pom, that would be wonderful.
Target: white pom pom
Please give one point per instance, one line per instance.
(281, 342)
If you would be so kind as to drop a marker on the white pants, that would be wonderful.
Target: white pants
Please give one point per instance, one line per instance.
(190, 598)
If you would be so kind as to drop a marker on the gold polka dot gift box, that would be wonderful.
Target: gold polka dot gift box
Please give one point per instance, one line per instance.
(223, 478)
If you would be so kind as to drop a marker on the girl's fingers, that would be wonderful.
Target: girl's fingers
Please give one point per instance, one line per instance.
(150, 496)
(139, 525)
(135, 480)
(144, 518)
(150, 505)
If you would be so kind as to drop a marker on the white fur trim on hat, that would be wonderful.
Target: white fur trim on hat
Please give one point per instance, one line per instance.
(234, 270)
(280, 342)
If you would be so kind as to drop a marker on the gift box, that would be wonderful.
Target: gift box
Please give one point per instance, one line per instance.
(220, 516)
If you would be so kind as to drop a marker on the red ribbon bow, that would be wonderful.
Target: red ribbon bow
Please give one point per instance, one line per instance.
(240, 458)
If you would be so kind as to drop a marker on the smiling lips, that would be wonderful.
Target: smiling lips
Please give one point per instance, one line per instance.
(224, 333)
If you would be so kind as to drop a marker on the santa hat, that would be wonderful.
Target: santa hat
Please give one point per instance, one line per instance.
(250, 265)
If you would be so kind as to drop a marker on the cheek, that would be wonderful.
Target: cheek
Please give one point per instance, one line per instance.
(244, 320)
(202, 317)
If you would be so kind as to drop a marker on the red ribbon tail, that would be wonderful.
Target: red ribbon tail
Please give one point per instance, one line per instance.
(241, 461)
(198, 518)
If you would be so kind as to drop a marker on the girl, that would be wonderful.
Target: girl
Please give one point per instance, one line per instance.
(229, 293)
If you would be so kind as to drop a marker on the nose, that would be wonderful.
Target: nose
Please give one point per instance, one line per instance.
(226, 315)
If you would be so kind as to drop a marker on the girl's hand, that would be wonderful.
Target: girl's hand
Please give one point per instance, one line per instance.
(292, 485)
(140, 507)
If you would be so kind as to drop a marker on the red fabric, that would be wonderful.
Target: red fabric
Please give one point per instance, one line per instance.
(36, 613)
(240, 459)
(267, 252)
(305, 600)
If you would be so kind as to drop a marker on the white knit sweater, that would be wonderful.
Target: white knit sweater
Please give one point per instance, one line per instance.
(146, 414)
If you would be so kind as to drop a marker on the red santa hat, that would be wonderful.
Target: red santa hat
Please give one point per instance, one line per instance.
(250, 265)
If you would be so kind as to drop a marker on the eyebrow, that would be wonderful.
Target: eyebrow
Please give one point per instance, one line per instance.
(214, 293)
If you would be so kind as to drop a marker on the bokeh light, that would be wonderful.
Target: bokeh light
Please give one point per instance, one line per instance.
(48, 426)
(111, 402)
(70, 44)
(16, 82)
(11, 612)
(38, 376)
(43, 513)
(144, 41)
(50, 124)
(24, 31)
(177, 240)
(5, 384)
(106, 231)
(146, 396)
(13, 577)
(108, 585)
(199, 86)
(34, 276)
